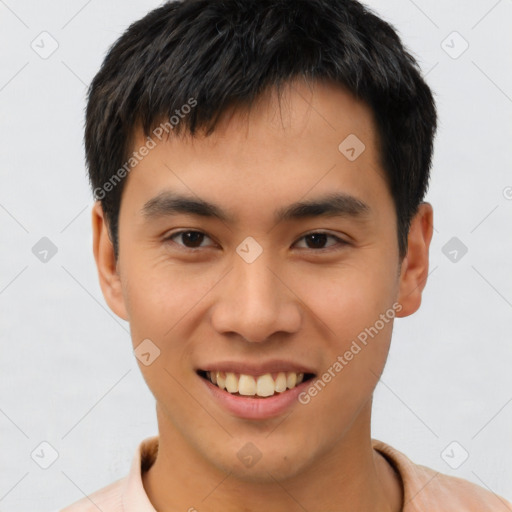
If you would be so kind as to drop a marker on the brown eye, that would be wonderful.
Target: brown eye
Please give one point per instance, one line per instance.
(318, 240)
(189, 239)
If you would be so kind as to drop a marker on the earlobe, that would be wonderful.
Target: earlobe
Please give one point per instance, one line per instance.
(106, 265)
(414, 271)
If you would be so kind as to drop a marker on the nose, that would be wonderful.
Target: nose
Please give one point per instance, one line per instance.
(255, 301)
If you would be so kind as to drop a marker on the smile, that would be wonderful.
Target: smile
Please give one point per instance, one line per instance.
(262, 386)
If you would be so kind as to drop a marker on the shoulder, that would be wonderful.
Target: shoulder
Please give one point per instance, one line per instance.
(107, 499)
(428, 490)
(453, 493)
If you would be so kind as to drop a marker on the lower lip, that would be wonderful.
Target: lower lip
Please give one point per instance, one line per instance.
(254, 408)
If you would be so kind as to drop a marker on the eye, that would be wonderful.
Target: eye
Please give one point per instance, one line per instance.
(191, 239)
(194, 240)
(318, 240)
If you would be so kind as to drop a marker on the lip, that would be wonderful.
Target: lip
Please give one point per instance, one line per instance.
(255, 408)
(256, 369)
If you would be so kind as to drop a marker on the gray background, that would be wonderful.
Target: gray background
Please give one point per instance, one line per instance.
(68, 373)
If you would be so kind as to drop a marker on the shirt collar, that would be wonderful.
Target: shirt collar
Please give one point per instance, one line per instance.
(134, 496)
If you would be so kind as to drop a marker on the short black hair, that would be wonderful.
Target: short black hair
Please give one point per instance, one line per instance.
(210, 55)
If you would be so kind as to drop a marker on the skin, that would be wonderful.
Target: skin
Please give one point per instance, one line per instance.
(293, 302)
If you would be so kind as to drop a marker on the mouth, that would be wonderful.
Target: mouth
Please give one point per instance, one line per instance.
(255, 386)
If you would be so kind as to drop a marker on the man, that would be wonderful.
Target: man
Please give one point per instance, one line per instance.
(259, 168)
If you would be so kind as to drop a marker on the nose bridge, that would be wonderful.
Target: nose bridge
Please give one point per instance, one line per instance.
(257, 286)
(253, 302)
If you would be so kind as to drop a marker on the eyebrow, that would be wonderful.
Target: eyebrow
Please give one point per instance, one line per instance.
(169, 203)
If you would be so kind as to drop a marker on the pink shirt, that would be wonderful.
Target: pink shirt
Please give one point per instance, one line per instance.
(425, 490)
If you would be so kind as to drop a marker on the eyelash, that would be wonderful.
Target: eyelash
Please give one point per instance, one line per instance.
(340, 242)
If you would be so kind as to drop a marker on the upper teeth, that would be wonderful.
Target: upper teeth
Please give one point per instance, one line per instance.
(263, 385)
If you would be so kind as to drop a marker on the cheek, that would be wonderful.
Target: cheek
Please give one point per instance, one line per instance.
(350, 303)
(349, 298)
(162, 297)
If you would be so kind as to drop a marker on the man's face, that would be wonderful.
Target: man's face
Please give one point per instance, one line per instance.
(251, 294)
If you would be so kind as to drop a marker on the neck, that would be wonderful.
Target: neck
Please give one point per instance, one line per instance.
(351, 477)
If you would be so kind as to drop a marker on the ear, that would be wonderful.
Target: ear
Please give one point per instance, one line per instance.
(108, 274)
(414, 269)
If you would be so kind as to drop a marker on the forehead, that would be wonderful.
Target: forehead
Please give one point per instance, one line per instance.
(315, 140)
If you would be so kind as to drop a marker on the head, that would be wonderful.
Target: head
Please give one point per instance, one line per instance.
(298, 132)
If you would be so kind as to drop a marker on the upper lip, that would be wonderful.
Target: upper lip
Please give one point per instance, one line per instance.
(252, 368)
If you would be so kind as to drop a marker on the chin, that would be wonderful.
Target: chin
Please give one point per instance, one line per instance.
(269, 463)
(263, 472)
